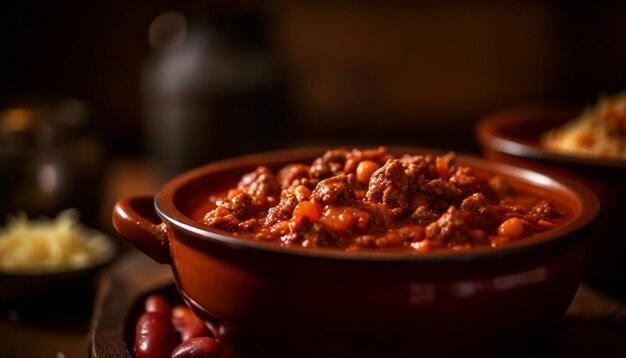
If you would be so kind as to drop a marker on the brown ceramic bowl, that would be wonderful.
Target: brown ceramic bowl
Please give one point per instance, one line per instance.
(512, 136)
(260, 297)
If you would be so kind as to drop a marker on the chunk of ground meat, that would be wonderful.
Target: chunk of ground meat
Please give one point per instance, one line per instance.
(291, 173)
(316, 236)
(333, 191)
(478, 212)
(434, 205)
(261, 182)
(449, 229)
(422, 215)
(221, 218)
(389, 185)
(284, 209)
(236, 212)
(440, 191)
(419, 166)
(239, 205)
(263, 186)
(329, 164)
(381, 217)
(466, 181)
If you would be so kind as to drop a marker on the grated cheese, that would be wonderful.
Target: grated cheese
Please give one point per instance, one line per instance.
(45, 245)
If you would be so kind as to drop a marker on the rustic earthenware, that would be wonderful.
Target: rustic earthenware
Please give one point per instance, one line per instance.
(261, 297)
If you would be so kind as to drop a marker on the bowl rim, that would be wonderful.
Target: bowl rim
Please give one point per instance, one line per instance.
(490, 134)
(588, 208)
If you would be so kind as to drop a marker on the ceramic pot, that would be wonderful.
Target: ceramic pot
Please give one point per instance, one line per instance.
(261, 297)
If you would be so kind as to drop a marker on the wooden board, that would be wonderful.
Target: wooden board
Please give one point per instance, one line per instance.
(119, 290)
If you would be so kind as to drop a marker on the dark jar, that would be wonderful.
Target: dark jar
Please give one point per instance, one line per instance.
(213, 92)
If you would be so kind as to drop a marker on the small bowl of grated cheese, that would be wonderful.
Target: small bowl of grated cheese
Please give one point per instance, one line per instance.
(43, 254)
(587, 144)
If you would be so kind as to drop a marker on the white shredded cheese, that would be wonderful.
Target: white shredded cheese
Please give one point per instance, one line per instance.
(45, 245)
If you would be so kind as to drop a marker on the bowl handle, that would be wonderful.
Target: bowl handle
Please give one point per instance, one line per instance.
(135, 218)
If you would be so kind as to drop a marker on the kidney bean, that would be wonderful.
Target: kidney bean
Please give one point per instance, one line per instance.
(155, 336)
(198, 347)
(188, 324)
(156, 303)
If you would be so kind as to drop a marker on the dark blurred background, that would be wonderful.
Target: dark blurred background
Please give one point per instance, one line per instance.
(184, 83)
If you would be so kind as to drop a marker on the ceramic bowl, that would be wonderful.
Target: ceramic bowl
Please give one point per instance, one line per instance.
(512, 136)
(261, 297)
(20, 286)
